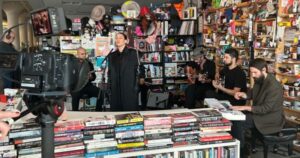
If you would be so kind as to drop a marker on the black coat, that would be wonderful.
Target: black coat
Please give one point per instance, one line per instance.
(122, 77)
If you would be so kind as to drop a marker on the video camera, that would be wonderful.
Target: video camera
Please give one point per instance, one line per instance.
(52, 71)
(47, 76)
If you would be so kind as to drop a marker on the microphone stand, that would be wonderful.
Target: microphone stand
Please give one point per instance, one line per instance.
(104, 88)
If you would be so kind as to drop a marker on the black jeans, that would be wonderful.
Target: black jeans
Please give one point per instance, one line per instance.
(196, 92)
(90, 90)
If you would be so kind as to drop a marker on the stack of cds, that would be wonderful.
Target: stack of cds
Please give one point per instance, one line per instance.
(130, 132)
(213, 127)
(99, 136)
(158, 131)
(7, 148)
(185, 128)
(27, 138)
(68, 138)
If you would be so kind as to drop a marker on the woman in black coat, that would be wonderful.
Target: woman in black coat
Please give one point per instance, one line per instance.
(122, 76)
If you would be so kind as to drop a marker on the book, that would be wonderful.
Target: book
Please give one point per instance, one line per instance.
(99, 121)
(129, 118)
(223, 108)
(129, 128)
(130, 145)
(208, 115)
(130, 134)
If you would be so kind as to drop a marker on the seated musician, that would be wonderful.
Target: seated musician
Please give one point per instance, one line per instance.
(201, 72)
(89, 89)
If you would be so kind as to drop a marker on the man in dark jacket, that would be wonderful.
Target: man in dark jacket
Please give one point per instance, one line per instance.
(123, 76)
(89, 89)
(6, 46)
(267, 96)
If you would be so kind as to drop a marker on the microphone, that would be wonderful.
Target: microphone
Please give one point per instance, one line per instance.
(110, 52)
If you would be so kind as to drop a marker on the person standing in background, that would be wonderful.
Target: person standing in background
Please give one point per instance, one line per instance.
(6, 46)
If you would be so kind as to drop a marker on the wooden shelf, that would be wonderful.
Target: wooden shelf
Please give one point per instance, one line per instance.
(289, 110)
(210, 46)
(243, 4)
(263, 36)
(286, 74)
(168, 51)
(266, 59)
(240, 47)
(265, 20)
(145, 62)
(181, 61)
(289, 62)
(240, 35)
(153, 77)
(240, 20)
(265, 48)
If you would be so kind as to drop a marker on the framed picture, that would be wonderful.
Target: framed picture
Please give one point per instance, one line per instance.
(131, 14)
(192, 12)
(186, 14)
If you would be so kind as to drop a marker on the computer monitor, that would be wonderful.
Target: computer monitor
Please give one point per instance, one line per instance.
(48, 21)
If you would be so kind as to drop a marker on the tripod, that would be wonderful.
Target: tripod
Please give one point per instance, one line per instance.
(47, 107)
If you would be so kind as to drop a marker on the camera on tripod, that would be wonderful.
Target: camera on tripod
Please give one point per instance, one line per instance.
(47, 76)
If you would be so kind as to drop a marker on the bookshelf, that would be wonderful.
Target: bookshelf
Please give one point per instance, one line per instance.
(287, 62)
(167, 57)
(176, 150)
(173, 151)
(221, 31)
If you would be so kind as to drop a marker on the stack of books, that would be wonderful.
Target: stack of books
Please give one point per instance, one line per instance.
(158, 131)
(185, 128)
(213, 127)
(130, 132)
(27, 138)
(68, 138)
(7, 148)
(99, 136)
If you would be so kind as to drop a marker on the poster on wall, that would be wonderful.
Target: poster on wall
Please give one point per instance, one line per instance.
(102, 46)
(69, 44)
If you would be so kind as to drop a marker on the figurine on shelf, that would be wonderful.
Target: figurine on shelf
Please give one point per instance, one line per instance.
(295, 6)
(245, 14)
(271, 11)
(288, 6)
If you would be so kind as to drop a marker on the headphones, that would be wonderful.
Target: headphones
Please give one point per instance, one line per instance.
(8, 34)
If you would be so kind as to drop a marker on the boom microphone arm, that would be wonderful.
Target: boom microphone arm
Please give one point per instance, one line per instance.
(8, 30)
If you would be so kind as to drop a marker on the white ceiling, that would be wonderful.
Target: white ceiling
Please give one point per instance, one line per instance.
(80, 8)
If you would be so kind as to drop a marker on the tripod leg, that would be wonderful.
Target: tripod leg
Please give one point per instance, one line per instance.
(47, 124)
(99, 101)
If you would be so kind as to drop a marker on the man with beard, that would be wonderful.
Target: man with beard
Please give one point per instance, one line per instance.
(266, 113)
(233, 77)
(234, 80)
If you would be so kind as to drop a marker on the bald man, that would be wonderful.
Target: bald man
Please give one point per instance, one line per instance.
(7, 47)
(6, 43)
(89, 89)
